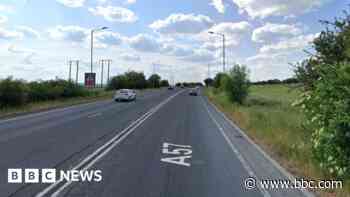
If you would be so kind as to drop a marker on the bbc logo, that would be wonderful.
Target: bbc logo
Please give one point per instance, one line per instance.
(31, 175)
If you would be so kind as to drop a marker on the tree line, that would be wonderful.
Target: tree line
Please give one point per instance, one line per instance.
(136, 80)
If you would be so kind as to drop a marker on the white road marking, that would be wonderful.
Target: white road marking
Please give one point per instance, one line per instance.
(108, 145)
(94, 115)
(235, 150)
(277, 165)
(182, 153)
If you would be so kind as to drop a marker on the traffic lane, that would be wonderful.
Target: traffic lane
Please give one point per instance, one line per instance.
(15, 128)
(35, 118)
(54, 146)
(267, 169)
(134, 168)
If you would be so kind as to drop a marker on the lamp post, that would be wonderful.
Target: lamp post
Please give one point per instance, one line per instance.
(223, 48)
(92, 43)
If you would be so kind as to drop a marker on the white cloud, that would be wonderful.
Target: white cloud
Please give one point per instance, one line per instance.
(219, 5)
(9, 35)
(272, 32)
(259, 9)
(295, 43)
(182, 24)
(200, 56)
(28, 31)
(128, 2)
(107, 38)
(3, 19)
(73, 34)
(27, 54)
(6, 8)
(131, 57)
(14, 49)
(145, 43)
(114, 14)
(272, 60)
(234, 32)
(72, 3)
(179, 51)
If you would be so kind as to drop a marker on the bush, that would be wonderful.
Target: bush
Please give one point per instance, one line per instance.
(54, 89)
(236, 84)
(327, 107)
(326, 97)
(12, 92)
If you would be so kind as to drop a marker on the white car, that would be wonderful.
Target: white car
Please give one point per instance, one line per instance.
(125, 95)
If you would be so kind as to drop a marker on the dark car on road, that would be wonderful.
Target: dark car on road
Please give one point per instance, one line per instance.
(193, 92)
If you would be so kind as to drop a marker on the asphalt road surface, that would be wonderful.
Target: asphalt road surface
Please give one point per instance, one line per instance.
(165, 144)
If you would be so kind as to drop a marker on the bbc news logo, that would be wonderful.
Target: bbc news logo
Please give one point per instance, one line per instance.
(52, 176)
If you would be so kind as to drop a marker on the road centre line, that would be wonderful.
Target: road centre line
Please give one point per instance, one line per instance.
(107, 147)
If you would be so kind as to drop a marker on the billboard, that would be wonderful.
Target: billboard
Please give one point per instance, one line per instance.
(90, 80)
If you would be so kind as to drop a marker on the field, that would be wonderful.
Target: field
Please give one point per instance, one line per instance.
(271, 121)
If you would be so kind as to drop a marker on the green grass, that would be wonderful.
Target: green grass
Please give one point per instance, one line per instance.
(46, 105)
(270, 120)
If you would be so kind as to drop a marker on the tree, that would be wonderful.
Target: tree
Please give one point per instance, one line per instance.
(118, 82)
(208, 81)
(237, 84)
(164, 83)
(154, 81)
(217, 79)
(136, 80)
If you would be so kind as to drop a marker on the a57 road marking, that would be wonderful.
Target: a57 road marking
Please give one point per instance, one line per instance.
(179, 154)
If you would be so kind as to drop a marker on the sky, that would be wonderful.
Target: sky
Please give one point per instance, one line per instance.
(169, 37)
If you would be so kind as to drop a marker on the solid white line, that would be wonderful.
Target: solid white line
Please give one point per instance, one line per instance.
(235, 150)
(111, 143)
(274, 162)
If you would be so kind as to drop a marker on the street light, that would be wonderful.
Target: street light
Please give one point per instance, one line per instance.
(92, 42)
(223, 48)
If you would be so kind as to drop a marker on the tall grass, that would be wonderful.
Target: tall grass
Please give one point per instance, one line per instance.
(270, 120)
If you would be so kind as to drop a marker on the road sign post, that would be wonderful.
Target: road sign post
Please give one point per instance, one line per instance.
(90, 80)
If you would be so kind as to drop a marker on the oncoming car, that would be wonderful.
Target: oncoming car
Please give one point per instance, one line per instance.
(125, 95)
(194, 92)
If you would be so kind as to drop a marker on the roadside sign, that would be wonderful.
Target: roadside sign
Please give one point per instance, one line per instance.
(90, 80)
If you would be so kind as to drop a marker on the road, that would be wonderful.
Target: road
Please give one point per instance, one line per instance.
(166, 144)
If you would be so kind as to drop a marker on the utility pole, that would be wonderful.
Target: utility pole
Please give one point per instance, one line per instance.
(223, 49)
(92, 44)
(102, 62)
(70, 70)
(223, 52)
(109, 62)
(77, 73)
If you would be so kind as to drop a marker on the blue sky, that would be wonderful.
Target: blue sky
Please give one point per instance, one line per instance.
(39, 37)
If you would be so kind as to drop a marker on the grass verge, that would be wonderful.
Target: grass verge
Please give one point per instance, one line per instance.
(270, 120)
(53, 104)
